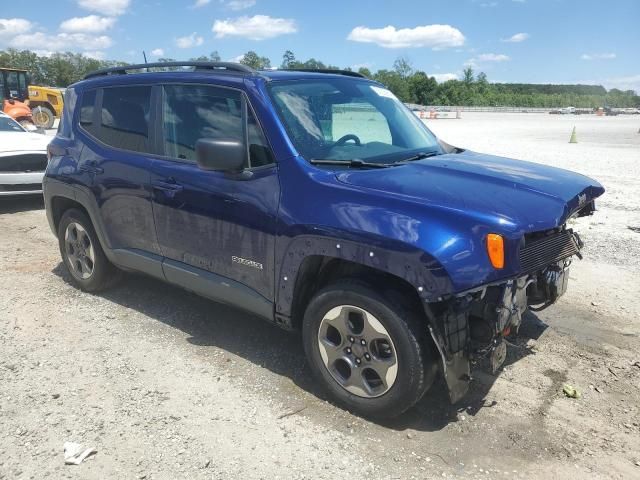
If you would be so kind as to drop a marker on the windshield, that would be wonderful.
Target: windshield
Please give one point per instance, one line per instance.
(343, 119)
(9, 125)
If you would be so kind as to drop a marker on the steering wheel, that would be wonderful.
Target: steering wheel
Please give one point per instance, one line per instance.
(342, 140)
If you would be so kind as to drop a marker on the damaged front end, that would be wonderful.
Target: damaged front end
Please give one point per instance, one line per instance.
(470, 327)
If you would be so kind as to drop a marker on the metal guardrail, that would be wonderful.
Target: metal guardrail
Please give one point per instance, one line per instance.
(505, 109)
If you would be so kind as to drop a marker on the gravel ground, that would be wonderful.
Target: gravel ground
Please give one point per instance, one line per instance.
(167, 385)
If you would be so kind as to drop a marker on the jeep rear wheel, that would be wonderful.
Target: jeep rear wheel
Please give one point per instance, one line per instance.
(82, 253)
(369, 353)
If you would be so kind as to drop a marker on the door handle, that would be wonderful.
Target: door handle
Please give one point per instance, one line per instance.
(91, 167)
(169, 186)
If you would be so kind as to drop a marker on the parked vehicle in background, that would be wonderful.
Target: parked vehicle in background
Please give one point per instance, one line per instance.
(46, 104)
(318, 201)
(568, 111)
(14, 95)
(23, 159)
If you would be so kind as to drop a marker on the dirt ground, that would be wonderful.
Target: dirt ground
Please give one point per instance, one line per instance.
(167, 385)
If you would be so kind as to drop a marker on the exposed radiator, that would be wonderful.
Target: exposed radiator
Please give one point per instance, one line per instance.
(545, 251)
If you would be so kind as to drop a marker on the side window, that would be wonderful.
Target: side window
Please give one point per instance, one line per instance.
(12, 84)
(192, 112)
(86, 111)
(259, 150)
(124, 118)
(1, 86)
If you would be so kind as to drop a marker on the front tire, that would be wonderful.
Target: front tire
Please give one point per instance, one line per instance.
(369, 353)
(82, 253)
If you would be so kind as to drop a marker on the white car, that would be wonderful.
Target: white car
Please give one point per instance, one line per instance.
(23, 158)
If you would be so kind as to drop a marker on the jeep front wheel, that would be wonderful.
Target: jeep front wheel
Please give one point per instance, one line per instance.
(369, 353)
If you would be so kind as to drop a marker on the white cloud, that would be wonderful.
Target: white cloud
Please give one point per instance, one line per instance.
(193, 40)
(90, 24)
(106, 7)
(492, 57)
(240, 4)
(432, 36)
(97, 54)
(517, 38)
(487, 58)
(443, 77)
(598, 56)
(201, 3)
(258, 27)
(489, 4)
(14, 26)
(520, 1)
(61, 41)
(236, 59)
(157, 52)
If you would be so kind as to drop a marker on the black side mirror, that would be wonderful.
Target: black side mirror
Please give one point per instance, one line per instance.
(221, 155)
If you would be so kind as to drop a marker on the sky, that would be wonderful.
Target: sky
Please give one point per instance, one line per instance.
(529, 41)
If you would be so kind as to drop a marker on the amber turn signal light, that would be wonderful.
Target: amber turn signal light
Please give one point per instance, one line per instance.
(495, 249)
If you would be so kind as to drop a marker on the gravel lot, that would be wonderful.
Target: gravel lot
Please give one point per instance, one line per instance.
(167, 385)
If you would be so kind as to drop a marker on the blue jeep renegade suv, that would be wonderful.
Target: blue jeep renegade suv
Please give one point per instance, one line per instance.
(318, 201)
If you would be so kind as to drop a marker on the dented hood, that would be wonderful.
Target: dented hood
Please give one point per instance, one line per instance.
(520, 195)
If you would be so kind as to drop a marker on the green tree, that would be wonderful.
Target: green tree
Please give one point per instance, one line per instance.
(288, 60)
(403, 67)
(365, 71)
(213, 57)
(467, 76)
(253, 60)
(422, 88)
(395, 83)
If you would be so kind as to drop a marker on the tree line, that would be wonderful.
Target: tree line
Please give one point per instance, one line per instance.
(409, 84)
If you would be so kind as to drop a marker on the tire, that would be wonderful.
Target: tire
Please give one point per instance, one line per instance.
(43, 117)
(351, 370)
(82, 254)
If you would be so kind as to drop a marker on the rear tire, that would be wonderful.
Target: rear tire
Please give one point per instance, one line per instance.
(82, 253)
(43, 117)
(367, 350)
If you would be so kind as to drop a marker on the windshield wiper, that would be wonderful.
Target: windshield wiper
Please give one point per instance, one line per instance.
(353, 163)
(419, 156)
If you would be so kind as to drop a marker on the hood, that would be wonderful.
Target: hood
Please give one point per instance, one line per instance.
(514, 194)
(12, 142)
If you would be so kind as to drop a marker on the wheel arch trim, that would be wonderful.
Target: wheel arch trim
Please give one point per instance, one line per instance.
(407, 264)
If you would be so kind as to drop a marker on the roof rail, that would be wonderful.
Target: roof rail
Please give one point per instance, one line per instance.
(347, 73)
(221, 66)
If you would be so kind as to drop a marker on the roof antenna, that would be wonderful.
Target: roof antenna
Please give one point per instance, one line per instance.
(145, 57)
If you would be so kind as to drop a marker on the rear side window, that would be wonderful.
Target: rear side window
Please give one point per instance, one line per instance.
(124, 118)
(192, 112)
(87, 109)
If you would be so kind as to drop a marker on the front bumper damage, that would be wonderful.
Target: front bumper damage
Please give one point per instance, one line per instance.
(471, 326)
